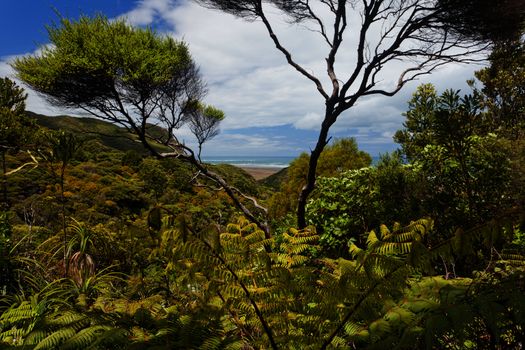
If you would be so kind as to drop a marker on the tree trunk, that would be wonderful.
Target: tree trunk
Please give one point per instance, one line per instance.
(5, 204)
(200, 150)
(63, 207)
(322, 141)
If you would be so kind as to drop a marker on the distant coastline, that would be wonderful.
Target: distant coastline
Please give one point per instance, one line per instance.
(259, 161)
(260, 173)
(272, 162)
(259, 167)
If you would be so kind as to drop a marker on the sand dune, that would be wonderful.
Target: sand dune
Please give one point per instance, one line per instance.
(260, 172)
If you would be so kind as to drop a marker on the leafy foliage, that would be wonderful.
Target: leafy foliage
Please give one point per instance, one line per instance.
(341, 155)
(344, 208)
(503, 85)
(348, 205)
(204, 123)
(15, 126)
(156, 258)
(284, 292)
(466, 166)
(126, 75)
(16, 129)
(471, 19)
(6, 273)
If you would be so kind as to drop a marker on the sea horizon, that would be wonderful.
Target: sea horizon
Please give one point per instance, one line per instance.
(252, 161)
(258, 161)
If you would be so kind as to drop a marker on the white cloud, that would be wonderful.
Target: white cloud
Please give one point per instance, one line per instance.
(263, 98)
(251, 81)
(310, 121)
(246, 144)
(34, 102)
(147, 11)
(226, 46)
(5, 69)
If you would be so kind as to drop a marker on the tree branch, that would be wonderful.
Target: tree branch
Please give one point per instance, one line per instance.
(355, 307)
(189, 156)
(258, 312)
(287, 54)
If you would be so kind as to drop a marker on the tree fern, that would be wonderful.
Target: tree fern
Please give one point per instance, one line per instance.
(226, 289)
(288, 294)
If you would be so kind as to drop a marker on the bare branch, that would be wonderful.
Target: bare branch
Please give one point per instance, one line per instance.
(368, 16)
(339, 28)
(403, 79)
(33, 163)
(253, 200)
(287, 54)
(320, 23)
(185, 153)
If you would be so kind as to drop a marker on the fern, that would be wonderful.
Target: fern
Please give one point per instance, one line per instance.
(55, 339)
(289, 295)
(236, 293)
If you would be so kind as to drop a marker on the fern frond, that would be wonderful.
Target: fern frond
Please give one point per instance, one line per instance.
(66, 318)
(233, 228)
(53, 340)
(85, 337)
(352, 328)
(512, 259)
(15, 314)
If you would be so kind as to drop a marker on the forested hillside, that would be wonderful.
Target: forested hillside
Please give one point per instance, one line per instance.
(108, 136)
(115, 235)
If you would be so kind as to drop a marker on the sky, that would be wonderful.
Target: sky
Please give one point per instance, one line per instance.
(270, 109)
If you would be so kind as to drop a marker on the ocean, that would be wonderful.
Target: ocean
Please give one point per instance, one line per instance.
(258, 161)
(251, 161)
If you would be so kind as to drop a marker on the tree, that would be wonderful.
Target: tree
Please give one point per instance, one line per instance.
(447, 120)
(129, 76)
(485, 20)
(346, 205)
(417, 133)
(61, 149)
(503, 90)
(154, 176)
(15, 128)
(389, 31)
(465, 166)
(343, 154)
(204, 124)
(503, 96)
(13, 99)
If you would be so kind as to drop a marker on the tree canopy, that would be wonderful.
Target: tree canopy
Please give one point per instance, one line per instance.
(204, 123)
(12, 115)
(503, 90)
(484, 20)
(127, 75)
(16, 129)
(450, 140)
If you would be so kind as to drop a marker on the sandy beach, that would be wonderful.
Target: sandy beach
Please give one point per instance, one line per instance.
(260, 172)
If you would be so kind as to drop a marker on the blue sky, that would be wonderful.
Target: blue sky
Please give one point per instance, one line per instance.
(271, 110)
(23, 21)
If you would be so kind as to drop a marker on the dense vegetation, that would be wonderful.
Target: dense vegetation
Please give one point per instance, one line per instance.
(105, 247)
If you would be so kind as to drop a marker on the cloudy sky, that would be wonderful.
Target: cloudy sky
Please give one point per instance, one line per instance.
(271, 110)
